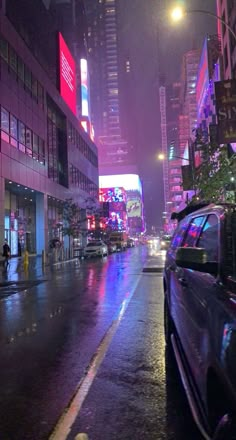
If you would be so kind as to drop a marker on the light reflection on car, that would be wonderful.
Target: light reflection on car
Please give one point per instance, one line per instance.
(165, 242)
(95, 248)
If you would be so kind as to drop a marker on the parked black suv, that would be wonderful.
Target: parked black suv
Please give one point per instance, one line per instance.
(200, 314)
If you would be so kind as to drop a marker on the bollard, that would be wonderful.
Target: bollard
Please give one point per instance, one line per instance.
(26, 260)
(44, 257)
(81, 436)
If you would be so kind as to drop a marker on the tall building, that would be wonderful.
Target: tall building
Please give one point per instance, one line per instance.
(208, 74)
(170, 139)
(45, 155)
(41, 37)
(174, 151)
(106, 66)
(188, 94)
(226, 9)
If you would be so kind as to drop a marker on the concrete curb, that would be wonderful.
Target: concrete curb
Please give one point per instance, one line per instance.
(153, 269)
(65, 261)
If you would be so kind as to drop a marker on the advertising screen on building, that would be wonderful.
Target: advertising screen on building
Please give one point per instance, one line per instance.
(117, 220)
(116, 194)
(131, 185)
(126, 181)
(134, 207)
(84, 87)
(67, 75)
(202, 77)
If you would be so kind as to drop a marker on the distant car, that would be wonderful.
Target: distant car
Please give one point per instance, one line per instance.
(130, 243)
(112, 247)
(165, 242)
(95, 248)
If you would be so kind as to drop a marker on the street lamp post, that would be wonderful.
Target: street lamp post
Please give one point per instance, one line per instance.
(179, 12)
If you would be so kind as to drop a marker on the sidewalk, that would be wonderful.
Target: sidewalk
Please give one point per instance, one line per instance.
(17, 271)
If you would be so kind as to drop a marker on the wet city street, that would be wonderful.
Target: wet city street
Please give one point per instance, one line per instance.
(86, 338)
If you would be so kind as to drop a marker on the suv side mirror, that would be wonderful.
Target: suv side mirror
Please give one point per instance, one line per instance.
(195, 259)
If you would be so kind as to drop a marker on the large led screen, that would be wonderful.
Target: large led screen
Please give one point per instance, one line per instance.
(117, 220)
(113, 185)
(84, 87)
(134, 207)
(116, 194)
(67, 75)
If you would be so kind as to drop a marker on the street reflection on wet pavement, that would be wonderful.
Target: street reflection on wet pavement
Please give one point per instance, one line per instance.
(50, 329)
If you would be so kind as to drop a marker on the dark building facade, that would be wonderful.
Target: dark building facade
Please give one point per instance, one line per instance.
(45, 156)
(106, 69)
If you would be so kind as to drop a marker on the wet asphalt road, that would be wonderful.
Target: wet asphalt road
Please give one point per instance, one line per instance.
(50, 331)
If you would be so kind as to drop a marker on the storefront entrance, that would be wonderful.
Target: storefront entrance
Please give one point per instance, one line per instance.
(20, 219)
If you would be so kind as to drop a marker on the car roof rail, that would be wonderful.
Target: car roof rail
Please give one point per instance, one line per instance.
(188, 210)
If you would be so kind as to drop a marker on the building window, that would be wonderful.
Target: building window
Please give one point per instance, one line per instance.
(40, 95)
(13, 60)
(5, 124)
(28, 141)
(35, 146)
(34, 88)
(4, 49)
(13, 131)
(41, 151)
(23, 73)
(20, 69)
(21, 131)
(28, 83)
(21, 137)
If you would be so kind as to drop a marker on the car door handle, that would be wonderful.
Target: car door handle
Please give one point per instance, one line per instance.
(183, 282)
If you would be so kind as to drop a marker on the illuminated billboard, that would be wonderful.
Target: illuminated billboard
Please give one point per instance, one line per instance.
(84, 125)
(67, 75)
(131, 185)
(84, 87)
(116, 194)
(134, 207)
(126, 181)
(202, 77)
(117, 221)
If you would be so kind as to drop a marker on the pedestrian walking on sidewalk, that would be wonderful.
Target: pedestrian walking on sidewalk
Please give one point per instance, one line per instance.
(6, 252)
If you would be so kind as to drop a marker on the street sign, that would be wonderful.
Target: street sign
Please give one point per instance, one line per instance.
(225, 92)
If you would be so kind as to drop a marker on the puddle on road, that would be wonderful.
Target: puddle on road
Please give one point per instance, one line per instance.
(9, 288)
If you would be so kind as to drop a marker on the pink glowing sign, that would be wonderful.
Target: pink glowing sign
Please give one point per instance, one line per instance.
(67, 75)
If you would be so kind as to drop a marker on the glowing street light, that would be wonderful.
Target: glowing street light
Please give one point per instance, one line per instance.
(178, 13)
(161, 156)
